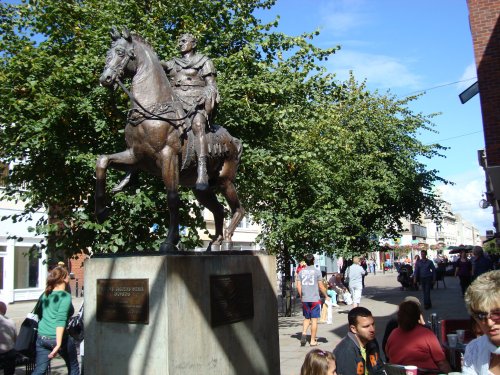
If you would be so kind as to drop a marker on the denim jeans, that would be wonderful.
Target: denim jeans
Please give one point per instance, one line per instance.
(426, 283)
(44, 347)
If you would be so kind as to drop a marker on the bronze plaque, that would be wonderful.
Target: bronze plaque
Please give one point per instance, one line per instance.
(231, 298)
(123, 300)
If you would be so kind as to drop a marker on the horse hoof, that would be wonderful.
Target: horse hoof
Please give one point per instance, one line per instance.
(102, 215)
(202, 186)
(217, 240)
(168, 247)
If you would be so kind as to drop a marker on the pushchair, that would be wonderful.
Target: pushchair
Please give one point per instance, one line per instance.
(405, 277)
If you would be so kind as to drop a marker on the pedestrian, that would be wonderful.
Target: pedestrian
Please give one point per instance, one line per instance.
(480, 263)
(52, 337)
(7, 341)
(358, 352)
(309, 283)
(318, 362)
(373, 266)
(425, 274)
(413, 344)
(363, 265)
(463, 270)
(482, 299)
(354, 276)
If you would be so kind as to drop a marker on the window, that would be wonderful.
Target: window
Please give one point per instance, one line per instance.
(245, 223)
(25, 268)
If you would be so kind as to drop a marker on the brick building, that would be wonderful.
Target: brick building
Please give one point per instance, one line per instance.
(485, 30)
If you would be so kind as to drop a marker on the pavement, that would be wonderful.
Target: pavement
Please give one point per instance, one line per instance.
(381, 296)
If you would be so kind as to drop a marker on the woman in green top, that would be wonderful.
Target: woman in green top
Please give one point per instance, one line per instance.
(52, 336)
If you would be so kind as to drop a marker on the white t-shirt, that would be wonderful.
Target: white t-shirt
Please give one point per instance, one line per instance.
(354, 274)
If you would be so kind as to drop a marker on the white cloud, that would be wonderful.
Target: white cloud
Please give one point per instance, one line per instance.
(464, 198)
(380, 71)
(342, 16)
(468, 77)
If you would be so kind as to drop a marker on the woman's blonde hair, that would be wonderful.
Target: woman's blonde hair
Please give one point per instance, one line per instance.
(56, 276)
(316, 362)
(484, 293)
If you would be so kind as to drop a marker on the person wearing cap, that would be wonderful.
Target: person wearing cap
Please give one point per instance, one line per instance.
(309, 283)
(393, 323)
(411, 344)
(7, 341)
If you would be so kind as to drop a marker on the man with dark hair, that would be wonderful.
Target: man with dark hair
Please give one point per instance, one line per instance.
(425, 273)
(309, 282)
(358, 353)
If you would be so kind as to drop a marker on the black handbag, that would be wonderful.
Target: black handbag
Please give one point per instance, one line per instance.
(75, 325)
(26, 339)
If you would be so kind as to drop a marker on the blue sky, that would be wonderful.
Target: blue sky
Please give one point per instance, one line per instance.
(407, 47)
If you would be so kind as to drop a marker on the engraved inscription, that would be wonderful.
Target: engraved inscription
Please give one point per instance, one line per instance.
(123, 300)
(231, 298)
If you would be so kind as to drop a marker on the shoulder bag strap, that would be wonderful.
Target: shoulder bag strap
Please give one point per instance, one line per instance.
(38, 307)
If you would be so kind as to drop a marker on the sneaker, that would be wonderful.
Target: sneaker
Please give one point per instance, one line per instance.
(335, 305)
(303, 340)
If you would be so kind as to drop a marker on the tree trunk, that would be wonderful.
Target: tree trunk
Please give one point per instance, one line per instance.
(286, 281)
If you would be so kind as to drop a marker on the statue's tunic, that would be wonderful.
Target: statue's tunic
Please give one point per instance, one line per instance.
(187, 77)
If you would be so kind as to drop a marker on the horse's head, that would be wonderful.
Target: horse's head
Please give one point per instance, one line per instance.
(120, 58)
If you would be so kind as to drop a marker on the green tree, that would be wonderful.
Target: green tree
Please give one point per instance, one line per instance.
(327, 166)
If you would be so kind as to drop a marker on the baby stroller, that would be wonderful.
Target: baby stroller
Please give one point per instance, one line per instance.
(405, 277)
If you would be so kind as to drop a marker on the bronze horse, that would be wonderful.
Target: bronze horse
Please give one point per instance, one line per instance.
(159, 141)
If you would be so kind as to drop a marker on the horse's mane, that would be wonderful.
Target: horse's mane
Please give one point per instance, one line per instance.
(140, 39)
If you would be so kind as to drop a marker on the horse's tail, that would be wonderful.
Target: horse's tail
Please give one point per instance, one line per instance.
(239, 148)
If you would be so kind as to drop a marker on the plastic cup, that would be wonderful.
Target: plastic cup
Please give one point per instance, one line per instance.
(411, 370)
(460, 336)
(452, 340)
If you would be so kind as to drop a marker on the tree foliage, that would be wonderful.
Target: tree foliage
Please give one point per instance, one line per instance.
(327, 165)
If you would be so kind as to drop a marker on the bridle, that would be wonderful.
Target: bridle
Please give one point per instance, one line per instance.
(119, 70)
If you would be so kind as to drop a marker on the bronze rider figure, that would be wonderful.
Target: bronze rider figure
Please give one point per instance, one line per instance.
(192, 77)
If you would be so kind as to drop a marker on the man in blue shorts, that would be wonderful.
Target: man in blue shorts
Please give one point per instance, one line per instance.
(309, 283)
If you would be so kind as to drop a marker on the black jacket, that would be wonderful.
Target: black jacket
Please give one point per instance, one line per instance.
(350, 361)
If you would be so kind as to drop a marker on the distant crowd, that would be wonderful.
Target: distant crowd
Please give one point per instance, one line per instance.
(409, 345)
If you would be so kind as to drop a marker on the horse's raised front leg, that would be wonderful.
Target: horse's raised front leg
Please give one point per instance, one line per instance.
(120, 160)
(170, 176)
(208, 199)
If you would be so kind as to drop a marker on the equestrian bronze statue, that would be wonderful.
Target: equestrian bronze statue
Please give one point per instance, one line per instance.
(169, 133)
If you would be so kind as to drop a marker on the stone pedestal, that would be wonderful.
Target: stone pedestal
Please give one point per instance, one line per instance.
(194, 321)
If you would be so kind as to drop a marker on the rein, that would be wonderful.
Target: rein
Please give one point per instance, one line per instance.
(154, 115)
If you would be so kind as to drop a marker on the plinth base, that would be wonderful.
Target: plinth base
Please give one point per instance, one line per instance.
(212, 313)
